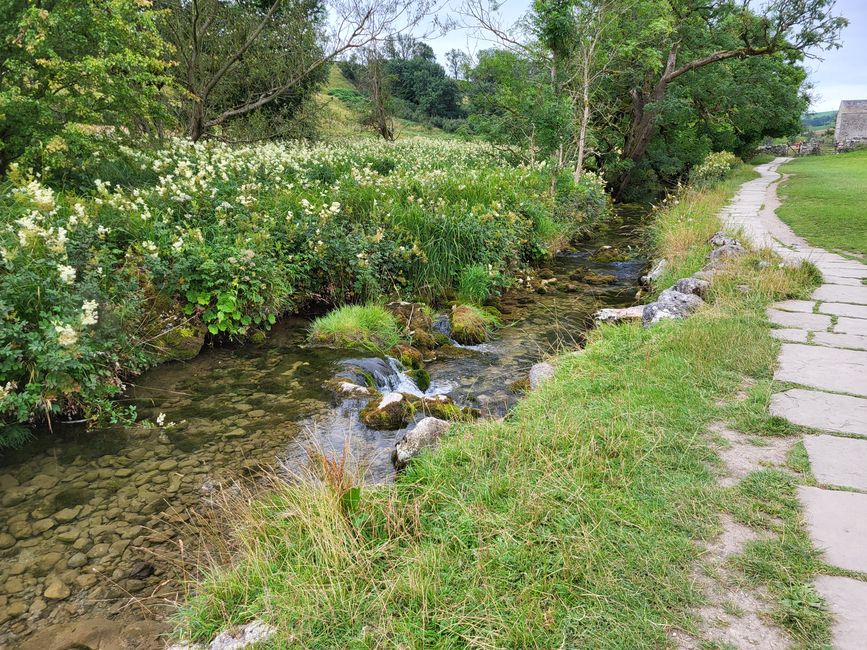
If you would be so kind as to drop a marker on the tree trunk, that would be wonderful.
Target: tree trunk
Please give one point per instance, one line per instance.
(197, 120)
(644, 122)
(582, 130)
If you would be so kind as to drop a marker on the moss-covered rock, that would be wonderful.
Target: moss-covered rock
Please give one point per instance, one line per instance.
(471, 325)
(411, 315)
(389, 412)
(599, 278)
(444, 408)
(180, 343)
(421, 377)
(407, 355)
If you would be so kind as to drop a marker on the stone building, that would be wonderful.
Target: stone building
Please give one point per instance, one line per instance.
(851, 128)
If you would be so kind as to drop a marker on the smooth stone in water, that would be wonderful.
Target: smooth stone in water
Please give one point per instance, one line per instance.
(76, 561)
(67, 514)
(6, 541)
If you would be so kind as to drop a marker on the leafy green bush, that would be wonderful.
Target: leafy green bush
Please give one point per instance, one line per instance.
(713, 169)
(370, 327)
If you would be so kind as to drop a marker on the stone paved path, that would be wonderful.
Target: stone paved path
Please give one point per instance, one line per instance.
(825, 352)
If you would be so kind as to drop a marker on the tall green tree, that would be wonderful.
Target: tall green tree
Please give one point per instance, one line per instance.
(62, 62)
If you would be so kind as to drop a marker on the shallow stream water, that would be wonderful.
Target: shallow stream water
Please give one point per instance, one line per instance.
(103, 523)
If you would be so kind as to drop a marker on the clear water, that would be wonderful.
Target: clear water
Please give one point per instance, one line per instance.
(114, 514)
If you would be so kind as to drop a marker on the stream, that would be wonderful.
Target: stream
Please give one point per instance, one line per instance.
(108, 522)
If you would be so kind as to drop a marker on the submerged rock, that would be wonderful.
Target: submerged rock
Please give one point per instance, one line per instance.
(425, 434)
(599, 278)
(540, 373)
(670, 304)
(349, 389)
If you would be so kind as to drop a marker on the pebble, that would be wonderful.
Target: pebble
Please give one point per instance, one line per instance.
(167, 465)
(77, 560)
(67, 514)
(14, 585)
(56, 590)
(6, 540)
(42, 525)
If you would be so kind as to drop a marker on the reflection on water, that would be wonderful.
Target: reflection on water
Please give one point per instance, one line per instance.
(94, 517)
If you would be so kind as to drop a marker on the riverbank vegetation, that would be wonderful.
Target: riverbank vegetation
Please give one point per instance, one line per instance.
(166, 244)
(124, 244)
(823, 199)
(573, 522)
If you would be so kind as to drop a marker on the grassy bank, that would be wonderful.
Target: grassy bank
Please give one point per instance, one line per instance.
(113, 259)
(570, 524)
(823, 201)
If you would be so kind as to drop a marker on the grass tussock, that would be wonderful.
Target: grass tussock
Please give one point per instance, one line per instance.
(370, 327)
(570, 524)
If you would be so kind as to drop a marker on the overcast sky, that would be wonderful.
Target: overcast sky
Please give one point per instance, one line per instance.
(842, 74)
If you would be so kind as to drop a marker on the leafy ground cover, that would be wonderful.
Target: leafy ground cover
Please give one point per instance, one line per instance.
(823, 200)
(570, 524)
(105, 254)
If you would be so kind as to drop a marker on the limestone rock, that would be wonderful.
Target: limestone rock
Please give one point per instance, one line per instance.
(615, 315)
(718, 255)
(243, 637)
(695, 286)
(426, 433)
(540, 373)
(670, 304)
(655, 273)
(719, 240)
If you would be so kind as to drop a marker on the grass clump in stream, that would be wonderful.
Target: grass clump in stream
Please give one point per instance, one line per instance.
(370, 327)
(570, 524)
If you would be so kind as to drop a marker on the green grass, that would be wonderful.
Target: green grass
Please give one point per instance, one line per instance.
(570, 524)
(474, 284)
(823, 201)
(369, 327)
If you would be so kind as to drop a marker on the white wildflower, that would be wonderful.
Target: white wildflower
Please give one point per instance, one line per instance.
(89, 315)
(67, 273)
(161, 418)
(66, 335)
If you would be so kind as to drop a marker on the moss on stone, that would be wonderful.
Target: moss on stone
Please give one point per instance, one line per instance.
(471, 325)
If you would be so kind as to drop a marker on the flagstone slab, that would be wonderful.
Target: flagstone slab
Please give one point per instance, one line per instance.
(832, 340)
(840, 293)
(837, 523)
(846, 325)
(800, 320)
(846, 599)
(843, 309)
(842, 279)
(838, 461)
(805, 306)
(825, 411)
(790, 335)
(833, 369)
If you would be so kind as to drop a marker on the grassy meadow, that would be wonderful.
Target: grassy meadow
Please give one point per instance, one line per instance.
(823, 200)
(572, 523)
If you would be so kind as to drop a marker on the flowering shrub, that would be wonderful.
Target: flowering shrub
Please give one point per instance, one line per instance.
(714, 168)
(231, 238)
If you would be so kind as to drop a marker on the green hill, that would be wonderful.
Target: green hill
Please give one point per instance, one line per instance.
(344, 108)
